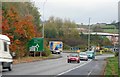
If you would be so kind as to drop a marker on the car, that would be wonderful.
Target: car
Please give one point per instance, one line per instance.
(91, 54)
(73, 57)
(83, 56)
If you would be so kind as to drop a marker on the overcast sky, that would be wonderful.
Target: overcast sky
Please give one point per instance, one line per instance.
(100, 11)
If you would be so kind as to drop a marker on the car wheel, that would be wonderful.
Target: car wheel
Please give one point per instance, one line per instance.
(1, 67)
(10, 67)
(68, 61)
(93, 58)
(78, 61)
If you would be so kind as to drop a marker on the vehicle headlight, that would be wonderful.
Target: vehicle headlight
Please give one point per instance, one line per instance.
(68, 57)
(77, 58)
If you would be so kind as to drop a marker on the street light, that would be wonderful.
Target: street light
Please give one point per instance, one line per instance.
(114, 40)
(89, 35)
(43, 18)
(119, 32)
(43, 26)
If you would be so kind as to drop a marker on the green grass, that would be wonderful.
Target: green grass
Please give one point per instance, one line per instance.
(112, 66)
(109, 52)
(110, 30)
(30, 59)
(98, 53)
(107, 26)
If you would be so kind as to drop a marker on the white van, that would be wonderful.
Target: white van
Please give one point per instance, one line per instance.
(5, 56)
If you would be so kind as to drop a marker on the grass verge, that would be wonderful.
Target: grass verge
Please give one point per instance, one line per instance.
(30, 59)
(112, 66)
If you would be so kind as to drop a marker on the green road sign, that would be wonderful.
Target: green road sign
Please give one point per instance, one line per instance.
(36, 44)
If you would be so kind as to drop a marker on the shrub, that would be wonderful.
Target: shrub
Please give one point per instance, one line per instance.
(116, 54)
(46, 52)
(66, 47)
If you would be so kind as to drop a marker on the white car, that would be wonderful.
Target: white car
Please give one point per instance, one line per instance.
(83, 56)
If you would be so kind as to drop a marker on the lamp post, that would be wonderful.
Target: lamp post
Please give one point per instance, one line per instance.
(0, 18)
(43, 18)
(89, 35)
(43, 26)
(114, 40)
(119, 45)
(119, 32)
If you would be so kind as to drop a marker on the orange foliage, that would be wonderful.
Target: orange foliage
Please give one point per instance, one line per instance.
(19, 29)
(25, 27)
(12, 14)
(0, 20)
(5, 25)
(13, 47)
(17, 42)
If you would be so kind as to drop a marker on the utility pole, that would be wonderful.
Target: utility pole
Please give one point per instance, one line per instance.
(1, 18)
(43, 25)
(119, 43)
(119, 32)
(89, 35)
(114, 40)
(43, 18)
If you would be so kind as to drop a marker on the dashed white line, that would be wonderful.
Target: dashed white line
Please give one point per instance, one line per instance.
(73, 68)
(92, 70)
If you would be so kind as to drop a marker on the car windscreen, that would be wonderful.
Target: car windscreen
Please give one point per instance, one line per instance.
(89, 52)
(83, 53)
(73, 55)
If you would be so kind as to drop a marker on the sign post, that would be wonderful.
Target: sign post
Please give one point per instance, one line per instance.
(36, 45)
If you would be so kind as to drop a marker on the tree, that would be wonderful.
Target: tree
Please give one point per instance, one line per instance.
(58, 28)
(24, 9)
(19, 28)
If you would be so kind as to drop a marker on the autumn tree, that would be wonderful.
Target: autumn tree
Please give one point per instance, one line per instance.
(19, 28)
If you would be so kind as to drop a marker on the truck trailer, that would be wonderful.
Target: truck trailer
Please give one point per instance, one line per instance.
(56, 47)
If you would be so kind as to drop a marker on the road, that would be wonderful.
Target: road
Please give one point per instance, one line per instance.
(94, 67)
(59, 67)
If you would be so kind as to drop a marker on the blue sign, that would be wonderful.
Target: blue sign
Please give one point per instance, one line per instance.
(75, 48)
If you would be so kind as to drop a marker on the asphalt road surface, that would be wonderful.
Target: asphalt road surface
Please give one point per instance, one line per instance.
(94, 67)
(59, 67)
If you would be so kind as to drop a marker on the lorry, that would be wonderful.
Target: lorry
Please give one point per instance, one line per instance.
(56, 47)
(5, 56)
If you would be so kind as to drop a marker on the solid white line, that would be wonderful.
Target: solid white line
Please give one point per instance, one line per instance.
(74, 68)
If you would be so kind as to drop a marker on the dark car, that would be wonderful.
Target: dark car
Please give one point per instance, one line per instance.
(73, 57)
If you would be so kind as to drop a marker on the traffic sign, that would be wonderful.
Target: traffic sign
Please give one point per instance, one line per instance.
(75, 48)
(36, 44)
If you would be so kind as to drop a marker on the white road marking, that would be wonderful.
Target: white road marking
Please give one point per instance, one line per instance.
(73, 68)
(92, 70)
